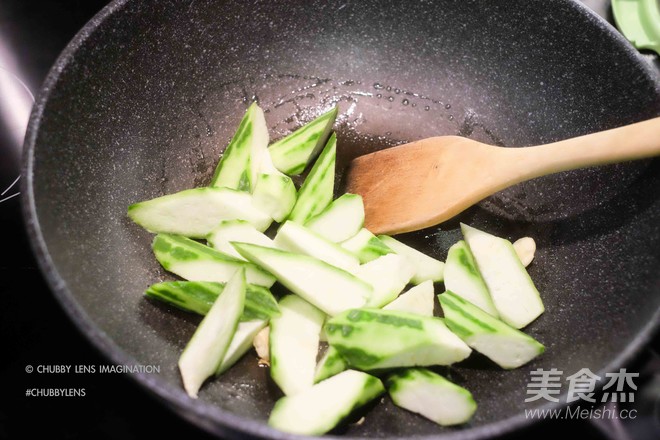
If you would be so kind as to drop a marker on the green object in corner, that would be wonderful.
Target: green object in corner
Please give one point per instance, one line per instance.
(639, 22)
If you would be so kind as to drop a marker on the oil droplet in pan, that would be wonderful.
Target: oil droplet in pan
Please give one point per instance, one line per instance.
(295, 98)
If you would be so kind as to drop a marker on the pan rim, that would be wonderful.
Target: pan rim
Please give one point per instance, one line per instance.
(206, 415)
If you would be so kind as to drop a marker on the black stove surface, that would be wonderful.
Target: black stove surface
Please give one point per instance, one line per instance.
(36, 332)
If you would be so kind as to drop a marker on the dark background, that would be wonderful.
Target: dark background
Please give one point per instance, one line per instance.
(35, 331)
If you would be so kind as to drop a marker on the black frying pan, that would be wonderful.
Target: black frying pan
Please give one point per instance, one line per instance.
(145, 98)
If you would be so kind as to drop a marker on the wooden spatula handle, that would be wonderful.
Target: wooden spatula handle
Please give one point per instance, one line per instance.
(635, 141)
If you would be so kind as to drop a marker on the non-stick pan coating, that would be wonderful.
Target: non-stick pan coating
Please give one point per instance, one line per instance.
(145, 98)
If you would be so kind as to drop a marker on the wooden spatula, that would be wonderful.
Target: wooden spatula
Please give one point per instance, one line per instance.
(424, 183)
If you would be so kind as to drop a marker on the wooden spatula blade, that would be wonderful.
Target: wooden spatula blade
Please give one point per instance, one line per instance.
(404, 188)
(424, 183)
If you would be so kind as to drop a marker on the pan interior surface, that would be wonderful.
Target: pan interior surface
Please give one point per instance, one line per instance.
(148, 95)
